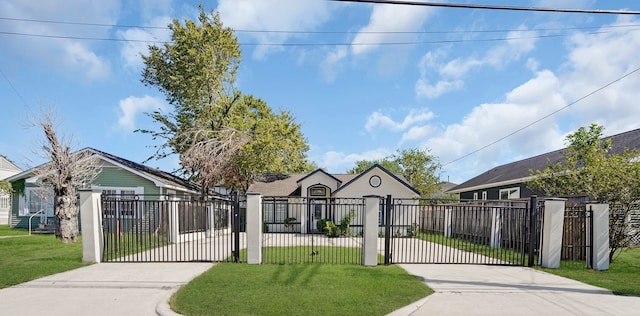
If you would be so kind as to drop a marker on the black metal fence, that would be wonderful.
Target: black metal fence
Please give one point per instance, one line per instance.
(471, 232)
(322, 230)
(169, 228)
(576, 242)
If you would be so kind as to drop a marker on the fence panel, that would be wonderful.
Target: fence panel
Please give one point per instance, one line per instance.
(470, 232)
(167, 228)
(317, 230)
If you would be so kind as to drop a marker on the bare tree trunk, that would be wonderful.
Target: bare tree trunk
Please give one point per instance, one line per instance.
(66, 218)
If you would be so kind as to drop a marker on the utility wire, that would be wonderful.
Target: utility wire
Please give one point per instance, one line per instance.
(313, 44)
(14, 89)
(491, 7)
(544, 117)
(323, 32)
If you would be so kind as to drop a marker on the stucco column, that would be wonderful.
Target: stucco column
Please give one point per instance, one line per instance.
(599, 239)
(254, 228)
(91, 224)
(370, 234)
(174, 226)
(553, 226)
(447, 223)
(496, 227)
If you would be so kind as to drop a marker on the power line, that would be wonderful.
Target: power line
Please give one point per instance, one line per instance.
(544, 117)
(491, 7)
(14, 88)
(322, 32)
(452, 41)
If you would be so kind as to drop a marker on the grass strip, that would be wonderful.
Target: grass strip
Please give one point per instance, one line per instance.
(622, 278)
(300, 289)
(27, 258)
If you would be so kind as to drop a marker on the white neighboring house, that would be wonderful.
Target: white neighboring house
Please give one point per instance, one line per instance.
(309, 198)
(7, 169)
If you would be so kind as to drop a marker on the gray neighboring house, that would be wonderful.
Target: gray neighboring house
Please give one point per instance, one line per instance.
(509, 181)
(121, 178)
(7, 169)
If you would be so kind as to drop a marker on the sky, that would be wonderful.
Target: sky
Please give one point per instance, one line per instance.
(477, 88)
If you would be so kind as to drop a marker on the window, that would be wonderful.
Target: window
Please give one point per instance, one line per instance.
(274, 211)
(484, 195)
(475, 195)
(5, 201)
(318, 191)
(510, 193)
(121, 202)
(35, 200)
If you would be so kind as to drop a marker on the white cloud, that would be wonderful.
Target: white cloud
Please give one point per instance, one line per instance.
(339, 162)
(389, 19)
(438, 77)
(68, 56)
(132, 106)
(378, 120)
(332, 63)
(273, 15)
(139, 39)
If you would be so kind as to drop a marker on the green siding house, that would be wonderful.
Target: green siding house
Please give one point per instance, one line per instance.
(118, 177)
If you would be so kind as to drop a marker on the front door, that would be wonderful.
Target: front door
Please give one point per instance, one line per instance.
(318, 211)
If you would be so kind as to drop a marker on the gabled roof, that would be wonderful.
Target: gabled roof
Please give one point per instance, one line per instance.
(397, 178)
(6, 164)
(158, 177)
(289, 185)
(319, 171)
(519, 171)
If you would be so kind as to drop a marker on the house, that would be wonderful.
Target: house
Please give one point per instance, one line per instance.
(120, 178)
(307, 199)
(7, 169)
(509, 181)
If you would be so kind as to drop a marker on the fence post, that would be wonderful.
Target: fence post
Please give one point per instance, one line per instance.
(598, 236)
(533, 228)
(370, 234)
(448, 219)
(254, 228)
(496, 227)
(552, 229)
(174, 225)
(91, 224)
(387, 230)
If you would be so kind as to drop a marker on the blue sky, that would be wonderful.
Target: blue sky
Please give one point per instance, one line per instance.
(363, 80)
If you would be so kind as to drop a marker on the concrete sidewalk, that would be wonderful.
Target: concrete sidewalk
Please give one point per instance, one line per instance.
(498, 290)
(101, 289)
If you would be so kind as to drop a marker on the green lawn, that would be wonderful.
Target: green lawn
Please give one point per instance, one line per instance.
(6, 231)
(623, 276)
(25, 258)
(298, 289)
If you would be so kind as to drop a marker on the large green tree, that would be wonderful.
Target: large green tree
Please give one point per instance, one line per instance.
(221, 135)
(417, 166)
(590, 169)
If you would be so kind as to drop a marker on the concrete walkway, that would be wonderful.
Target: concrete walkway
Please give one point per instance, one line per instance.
(145, 289)
(101, 289)
(498, 290)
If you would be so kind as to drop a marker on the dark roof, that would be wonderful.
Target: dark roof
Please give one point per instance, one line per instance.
(519, 171)
(152, 174)
(288, 185)
(398, 178)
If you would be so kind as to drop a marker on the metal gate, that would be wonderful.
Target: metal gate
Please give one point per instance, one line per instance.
(577, 236)
(170, 228)
(466, 232)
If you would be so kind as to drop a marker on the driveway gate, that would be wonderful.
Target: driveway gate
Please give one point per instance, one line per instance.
(465, 232)
(170, 228)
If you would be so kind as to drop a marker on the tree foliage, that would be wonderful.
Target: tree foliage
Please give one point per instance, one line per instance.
(417, 166)
(589, 169)
(5, 187)
(221, 135)
(64, 172)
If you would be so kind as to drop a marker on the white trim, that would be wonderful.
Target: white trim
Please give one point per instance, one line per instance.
(512, 193)
(492, 185)
(137, 191)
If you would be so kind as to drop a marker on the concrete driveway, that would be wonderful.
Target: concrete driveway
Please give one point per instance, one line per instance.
(101, 289)
(499, 290)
